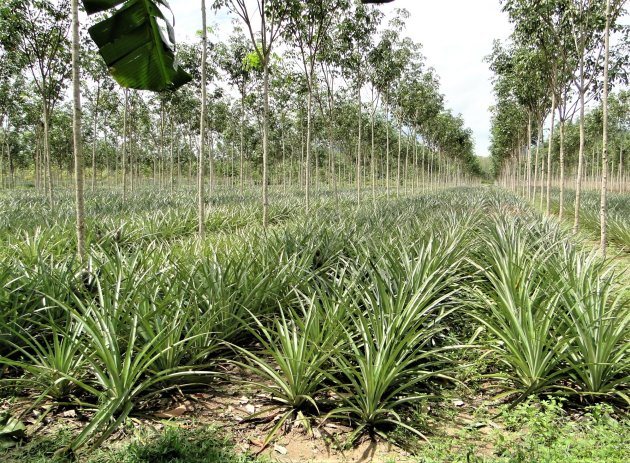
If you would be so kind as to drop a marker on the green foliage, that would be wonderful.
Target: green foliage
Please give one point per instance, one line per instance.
(174, 445)
(12, 432)
(345, 314)
(541, 432)
(518, 303)
(136, 52)
(296, 351)
(393, 322)
(552, 437)
(202, 445)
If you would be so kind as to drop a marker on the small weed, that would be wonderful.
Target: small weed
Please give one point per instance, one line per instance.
(174, 445)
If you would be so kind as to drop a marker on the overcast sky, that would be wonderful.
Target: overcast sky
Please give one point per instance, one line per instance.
(456, 35)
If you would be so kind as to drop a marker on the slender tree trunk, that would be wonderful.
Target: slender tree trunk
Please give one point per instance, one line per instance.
(211, 160)
(620, 170)
(307, 167)
(538, 143)
(580, 167)
(242, 148)
(38, 179)
(422, 167)
(2, 145)
(414, 183)
(333, 174)
(125, 147)
(301, 172)
(593, 168)
(542, 180)
(132, 145)
(202, 125)
(372, 159)
(284, 162)
(98, 94)
(190, 161)
(529, 155)
(603, 212)
(47, 160)
(359, 147)
(317, 186)
(387, 145)
(11, 167)
(76, 133)
(550, 142)
(406, 171)
(232, 167)
(179, 165)
(432, 172)
(265, 198)
(561, 210)
(161, 150)
(172, 155)
(399, 155)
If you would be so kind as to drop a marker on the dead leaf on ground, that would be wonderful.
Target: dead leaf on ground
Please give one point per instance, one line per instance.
(174, 413)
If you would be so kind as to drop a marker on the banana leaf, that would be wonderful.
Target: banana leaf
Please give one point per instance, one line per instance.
(138, 44)
(12, 432)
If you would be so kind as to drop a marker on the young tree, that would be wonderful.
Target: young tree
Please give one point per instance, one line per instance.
(96, 71)
(202, 124)
(387, 66)
(12, 105)
(270, 15)
(76, 132)
(603, 210)
(587, 30)
(36, 31)
(233, 59)
(545, 26)
(521, 73)
(356, 34)
(308, 23)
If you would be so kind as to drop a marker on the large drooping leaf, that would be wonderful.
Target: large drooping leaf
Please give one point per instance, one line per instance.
(95, 6)
(138, 44)
(12, 431)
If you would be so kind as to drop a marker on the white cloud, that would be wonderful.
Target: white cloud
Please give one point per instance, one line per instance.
(456, 35)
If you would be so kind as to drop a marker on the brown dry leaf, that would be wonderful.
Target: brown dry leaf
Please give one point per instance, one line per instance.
(174, 413)
(256, 443)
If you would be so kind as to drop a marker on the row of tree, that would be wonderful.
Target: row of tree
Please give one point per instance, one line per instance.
(559, 59)
(314, 94)
(513, 172)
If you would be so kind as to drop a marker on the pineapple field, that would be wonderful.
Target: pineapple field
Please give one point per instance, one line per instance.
(320, 231)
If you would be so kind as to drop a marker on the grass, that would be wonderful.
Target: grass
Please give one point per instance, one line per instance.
(618, 223)
(174, 445)
(535, 431)
(538, 432)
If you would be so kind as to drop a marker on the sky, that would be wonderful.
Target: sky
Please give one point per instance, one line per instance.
(455, 35)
